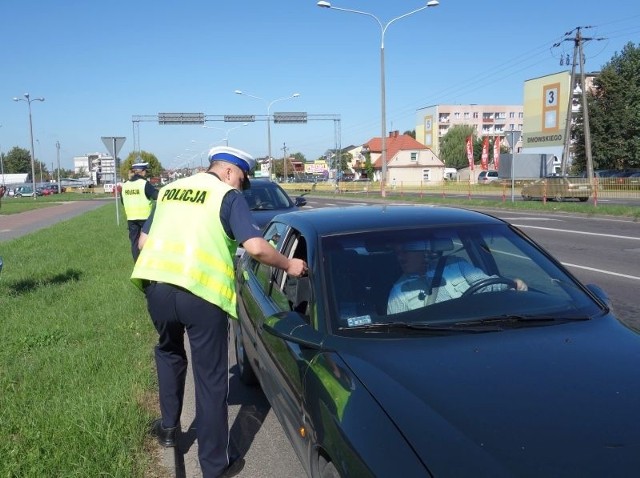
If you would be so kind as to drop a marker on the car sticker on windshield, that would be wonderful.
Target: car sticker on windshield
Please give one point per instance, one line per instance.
(361, 320)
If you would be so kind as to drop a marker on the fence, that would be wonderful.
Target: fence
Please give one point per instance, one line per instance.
(605, 189)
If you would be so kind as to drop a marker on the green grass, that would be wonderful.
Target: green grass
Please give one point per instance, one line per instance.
(77, 379)
(10, 205)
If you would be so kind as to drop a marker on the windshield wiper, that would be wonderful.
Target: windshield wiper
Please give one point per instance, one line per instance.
(413, 326)
(515, 319)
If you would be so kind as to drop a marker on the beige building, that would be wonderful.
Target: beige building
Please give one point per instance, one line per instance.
(408, 160)
(433, 122)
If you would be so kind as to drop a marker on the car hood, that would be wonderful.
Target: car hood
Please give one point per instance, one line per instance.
(560, 400)
(263, 216)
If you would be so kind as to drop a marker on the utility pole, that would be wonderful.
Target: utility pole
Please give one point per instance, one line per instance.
(284, 160)
(58, 158)
(578, 56)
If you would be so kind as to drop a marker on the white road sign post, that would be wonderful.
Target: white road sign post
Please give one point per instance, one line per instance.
(113, 145)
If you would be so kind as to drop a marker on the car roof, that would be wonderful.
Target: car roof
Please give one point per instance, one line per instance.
(338, 220)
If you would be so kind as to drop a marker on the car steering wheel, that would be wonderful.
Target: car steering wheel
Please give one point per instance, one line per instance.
(481, 284)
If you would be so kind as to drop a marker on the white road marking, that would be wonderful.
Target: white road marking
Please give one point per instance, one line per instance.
(615, 236)
(626, 276)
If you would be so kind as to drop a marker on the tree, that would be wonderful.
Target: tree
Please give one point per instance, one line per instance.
(17, 161)
(614, 115)
(368, 165)
(299, 157)
(342, 164)
(154, 170)
(411, 133)
(453, 146)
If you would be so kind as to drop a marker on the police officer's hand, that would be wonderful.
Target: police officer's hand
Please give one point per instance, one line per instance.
(297, 268)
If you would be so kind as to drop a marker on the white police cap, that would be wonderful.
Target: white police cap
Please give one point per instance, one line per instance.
(142, 166)
(243, 160)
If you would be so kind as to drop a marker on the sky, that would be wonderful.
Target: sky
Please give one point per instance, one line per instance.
(100, 65)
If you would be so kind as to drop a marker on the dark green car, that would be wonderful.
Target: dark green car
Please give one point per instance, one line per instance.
(376, 370)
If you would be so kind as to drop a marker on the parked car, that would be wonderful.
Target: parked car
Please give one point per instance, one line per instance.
(266, 199)
(25, 191)
(486, 177)
(558, 188)
(493, 383)
(45, 191)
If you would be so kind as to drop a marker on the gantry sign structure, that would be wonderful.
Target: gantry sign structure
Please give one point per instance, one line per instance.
(201, 119)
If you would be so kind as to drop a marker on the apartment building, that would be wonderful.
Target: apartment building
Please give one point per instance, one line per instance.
(433, 122)
(97, 166)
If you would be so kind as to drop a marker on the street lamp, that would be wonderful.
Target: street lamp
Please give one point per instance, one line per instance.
(28, 99)
(226, 132)
(383, 30)
(269, 105)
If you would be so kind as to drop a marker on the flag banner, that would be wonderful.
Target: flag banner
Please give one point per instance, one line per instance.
(484, 160)
(496, 153)
(470, 151)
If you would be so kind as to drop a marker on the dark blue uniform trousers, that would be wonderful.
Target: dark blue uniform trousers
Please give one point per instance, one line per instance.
(174, 310)
(135, 228)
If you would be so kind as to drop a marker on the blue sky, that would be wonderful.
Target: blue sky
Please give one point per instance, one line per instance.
(99, 64)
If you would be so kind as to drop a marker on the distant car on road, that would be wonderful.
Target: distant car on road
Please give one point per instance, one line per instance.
(558, 188)
(486, 177)
(267, 199)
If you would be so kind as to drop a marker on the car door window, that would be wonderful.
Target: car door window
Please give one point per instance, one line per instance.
(292, 293)
(275, 235)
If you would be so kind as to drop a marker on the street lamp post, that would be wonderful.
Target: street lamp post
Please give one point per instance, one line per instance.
(226, 132)
(28, 99)
(383, 30)
(269, 105)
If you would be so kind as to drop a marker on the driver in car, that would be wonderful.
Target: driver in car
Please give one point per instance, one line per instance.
(419, 286)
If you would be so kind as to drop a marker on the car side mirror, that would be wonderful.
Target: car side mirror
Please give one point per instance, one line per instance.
(300, 201)
(293, 327)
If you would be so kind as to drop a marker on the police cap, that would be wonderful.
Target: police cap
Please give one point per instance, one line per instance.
(239, 158)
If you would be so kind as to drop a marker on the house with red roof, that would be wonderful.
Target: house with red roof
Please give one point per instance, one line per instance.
(408, 160)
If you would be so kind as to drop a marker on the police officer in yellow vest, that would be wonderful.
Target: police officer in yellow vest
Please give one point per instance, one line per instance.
(137, 198)
(186, 268)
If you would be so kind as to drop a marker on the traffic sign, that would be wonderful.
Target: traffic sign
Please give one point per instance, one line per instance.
(113, 144)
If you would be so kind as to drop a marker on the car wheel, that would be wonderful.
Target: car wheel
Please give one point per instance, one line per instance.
(526, 198)
(327, 469)
(583, 199)
(245, 370)
(558, 197)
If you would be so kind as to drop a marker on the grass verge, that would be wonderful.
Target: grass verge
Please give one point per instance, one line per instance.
(77, 381)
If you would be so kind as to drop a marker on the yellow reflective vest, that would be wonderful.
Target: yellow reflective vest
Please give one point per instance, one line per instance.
(187, 245)
(136, 204)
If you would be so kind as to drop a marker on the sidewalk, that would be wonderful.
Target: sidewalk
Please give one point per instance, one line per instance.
(256, 434)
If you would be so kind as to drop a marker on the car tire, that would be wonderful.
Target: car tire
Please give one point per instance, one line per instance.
(583, 199)
(558, 197)
(245, 369)
(327, 469)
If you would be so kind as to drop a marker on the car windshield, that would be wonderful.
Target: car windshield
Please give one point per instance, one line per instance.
(444, 277)
(266, 195)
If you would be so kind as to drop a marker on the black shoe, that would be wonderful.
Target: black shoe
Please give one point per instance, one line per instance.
(166, 436)
(235, 467)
